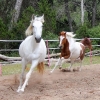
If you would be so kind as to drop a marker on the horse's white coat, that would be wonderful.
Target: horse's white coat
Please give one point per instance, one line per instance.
(31, 51)
(74, 47)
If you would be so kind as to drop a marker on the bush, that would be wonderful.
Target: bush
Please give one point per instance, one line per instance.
(82, 31)
(3, 29)
(94, 33)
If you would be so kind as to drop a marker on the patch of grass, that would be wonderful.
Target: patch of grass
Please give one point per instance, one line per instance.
(86, 61)
(16, 68)
(92, 60)
(11, 69)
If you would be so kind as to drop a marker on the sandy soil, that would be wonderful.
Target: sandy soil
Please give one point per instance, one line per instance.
(84, 85)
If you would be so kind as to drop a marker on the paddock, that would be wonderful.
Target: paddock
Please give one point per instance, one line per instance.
(84, 85)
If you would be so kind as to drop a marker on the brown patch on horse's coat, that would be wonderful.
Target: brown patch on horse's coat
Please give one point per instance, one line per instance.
(82, 53)
(65, 46)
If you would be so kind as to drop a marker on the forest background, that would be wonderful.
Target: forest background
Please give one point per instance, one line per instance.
(80, 16)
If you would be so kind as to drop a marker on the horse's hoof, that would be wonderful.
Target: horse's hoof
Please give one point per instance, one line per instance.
(20, 91)
(75, 69)
(60, 67)
(51, 72)
(65, 70)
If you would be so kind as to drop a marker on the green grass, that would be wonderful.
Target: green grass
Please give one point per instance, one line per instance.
(11, 69)
(16, 68)
(86, 61)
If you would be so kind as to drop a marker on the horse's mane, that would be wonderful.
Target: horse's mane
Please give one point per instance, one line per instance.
(29, 30)
(70, 34)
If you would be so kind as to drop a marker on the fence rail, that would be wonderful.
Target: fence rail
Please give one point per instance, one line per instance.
(15, 41)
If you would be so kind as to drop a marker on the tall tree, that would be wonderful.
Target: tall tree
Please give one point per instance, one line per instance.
(94, 12)
(82, 12)
(16, 13)
(67, 12)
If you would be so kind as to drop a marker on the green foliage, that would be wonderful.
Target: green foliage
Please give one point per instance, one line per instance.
(55, 19)
(94, 33)
(51, 36)
(23, 23)
(17, 33)
(82, 31)
(49, 14)
(3, 29)
(86, 31)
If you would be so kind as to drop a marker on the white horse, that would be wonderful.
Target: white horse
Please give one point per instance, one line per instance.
(32, 50)
(70, 49)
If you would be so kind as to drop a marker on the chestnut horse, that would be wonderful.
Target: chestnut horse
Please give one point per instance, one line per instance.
(70, 49)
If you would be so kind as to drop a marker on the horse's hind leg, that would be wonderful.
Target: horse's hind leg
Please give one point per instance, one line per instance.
(80, 65)
(70, 67)
(22, 74)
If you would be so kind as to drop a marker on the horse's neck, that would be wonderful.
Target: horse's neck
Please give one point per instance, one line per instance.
(33, 42)
(71, 41)
(66, 48)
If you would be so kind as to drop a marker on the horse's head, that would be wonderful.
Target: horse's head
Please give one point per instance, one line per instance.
(62, 39)
(35, 27)
(87, 43)
(37, 24)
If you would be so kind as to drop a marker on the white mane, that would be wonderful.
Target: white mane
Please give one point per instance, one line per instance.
(70, 34)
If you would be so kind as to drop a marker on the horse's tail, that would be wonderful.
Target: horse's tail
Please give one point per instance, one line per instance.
(40, 67)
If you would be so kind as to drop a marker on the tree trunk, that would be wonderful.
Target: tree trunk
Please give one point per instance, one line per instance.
(68, 15)
(16, 13)
(94, 12)
(82, 12)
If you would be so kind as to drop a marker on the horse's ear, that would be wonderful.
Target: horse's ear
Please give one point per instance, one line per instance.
(33, 17)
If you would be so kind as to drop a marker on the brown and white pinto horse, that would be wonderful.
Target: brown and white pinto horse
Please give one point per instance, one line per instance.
(70, 49)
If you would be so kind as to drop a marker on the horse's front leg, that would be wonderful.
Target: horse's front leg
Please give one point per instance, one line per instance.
(57, 63)
(35, 59)
(22, 74)
(34, 64)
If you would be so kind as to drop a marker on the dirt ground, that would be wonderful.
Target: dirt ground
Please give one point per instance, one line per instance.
(84, 85)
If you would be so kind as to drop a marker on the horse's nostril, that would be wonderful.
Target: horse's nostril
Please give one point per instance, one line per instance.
(60, 47)
(38, 39)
